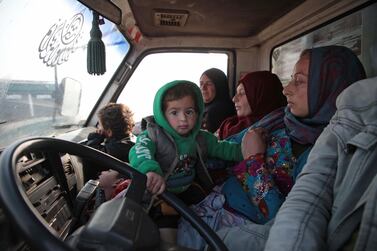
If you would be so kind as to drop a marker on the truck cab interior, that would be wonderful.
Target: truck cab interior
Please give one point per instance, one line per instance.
(54, 80)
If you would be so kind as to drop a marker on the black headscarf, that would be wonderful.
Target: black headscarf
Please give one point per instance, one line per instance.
(221, 106)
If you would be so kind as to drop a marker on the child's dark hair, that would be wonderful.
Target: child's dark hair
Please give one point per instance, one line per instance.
(118, 118)
(180, 91)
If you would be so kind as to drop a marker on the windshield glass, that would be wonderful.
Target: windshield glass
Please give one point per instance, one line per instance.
(45, 88)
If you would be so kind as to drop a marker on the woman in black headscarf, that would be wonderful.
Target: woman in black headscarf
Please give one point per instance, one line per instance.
(218, 105)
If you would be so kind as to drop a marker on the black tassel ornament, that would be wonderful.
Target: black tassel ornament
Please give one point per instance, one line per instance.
(96, 57)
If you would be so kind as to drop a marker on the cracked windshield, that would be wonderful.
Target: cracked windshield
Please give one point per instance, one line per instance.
(45, 87)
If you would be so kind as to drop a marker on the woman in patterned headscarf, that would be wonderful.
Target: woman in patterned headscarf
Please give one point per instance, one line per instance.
(277, 148)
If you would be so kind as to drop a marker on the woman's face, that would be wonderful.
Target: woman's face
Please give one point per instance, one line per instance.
(297, 89)
(240, 102)
(208, 89)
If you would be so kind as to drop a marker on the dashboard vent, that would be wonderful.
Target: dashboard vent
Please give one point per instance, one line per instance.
(173, 18)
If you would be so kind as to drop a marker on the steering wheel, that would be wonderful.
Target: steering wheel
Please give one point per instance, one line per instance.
(27, 219)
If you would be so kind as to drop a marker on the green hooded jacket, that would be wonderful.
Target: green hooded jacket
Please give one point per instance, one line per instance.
(143, 154)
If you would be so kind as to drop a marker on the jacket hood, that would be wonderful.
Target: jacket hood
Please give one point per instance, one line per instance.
(159, 113)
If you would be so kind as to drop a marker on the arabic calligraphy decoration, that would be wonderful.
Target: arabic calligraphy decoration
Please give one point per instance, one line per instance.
(61, 40)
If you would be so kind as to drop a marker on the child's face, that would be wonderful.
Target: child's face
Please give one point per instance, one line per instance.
(181, 115)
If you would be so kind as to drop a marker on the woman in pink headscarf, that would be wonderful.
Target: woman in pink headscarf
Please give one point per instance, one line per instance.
(258, 93)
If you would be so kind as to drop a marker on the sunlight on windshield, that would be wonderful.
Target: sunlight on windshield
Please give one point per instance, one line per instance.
(146, 80)
(44, 84)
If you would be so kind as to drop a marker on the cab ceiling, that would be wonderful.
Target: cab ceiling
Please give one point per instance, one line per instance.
(225, 18)
(232, 18)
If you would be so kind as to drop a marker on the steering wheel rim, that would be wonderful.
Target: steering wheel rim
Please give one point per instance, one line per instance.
(18, 207)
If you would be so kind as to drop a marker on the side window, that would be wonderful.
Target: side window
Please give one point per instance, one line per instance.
(158, 69)
(355, 31)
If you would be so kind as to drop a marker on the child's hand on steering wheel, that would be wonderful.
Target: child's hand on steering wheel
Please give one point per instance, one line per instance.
(155, 183)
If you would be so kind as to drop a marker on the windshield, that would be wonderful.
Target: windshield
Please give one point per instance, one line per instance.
(45, 88)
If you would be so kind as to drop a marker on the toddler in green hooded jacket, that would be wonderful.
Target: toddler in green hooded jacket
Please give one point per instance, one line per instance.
(171, 151)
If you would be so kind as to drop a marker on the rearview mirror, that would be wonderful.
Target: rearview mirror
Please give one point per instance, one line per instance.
(71, 90)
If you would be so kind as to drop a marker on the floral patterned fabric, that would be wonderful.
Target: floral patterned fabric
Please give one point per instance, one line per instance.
(265, 180)
(253, 194)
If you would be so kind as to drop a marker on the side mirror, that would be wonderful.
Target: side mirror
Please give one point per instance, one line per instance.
(71, 92)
